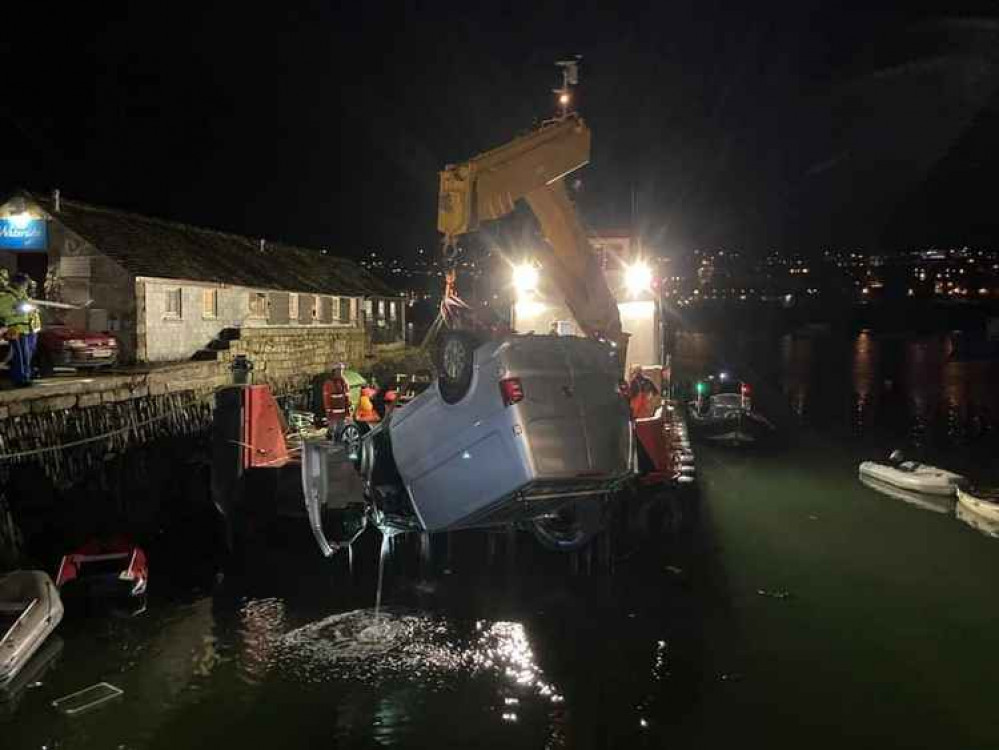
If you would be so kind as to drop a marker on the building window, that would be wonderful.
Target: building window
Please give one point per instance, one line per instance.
(326, 310)
(173, 305)
(209, 303)
(381, 309)
(391, 306)
(258, 304)
(317, 309)
(343, 314)
(369, 308)
(293, 307)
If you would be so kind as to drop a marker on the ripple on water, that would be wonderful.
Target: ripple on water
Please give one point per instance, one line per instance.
(360, 646)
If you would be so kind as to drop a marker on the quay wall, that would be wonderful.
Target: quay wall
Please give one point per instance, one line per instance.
(65, 435)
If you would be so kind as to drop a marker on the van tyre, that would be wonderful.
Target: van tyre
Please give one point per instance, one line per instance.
(454, 358)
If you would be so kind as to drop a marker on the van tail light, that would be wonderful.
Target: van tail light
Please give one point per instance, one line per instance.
(512, 391)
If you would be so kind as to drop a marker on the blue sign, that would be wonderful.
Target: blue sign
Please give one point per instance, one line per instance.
(20, 233)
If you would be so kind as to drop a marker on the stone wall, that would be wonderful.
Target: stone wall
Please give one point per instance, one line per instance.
(288, 358)
(69, 427)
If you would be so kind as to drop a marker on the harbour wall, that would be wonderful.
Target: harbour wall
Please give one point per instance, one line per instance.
(124, 443)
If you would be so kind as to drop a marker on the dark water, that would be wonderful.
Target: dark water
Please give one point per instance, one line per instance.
(788, 605)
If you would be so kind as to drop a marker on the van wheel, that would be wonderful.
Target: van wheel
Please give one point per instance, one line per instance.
(454, 358)
(572, 527)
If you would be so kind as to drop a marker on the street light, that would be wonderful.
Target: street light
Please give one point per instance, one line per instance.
(638, 278)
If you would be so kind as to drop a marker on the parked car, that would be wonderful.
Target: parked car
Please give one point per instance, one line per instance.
(513, 430)
(66, 346)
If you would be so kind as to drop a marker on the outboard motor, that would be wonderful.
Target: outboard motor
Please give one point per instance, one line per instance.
(896, 457)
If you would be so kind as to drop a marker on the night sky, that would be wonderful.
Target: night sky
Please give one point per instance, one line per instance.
(785, 125)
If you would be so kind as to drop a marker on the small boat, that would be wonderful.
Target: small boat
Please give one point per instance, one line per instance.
(912, 476)
(112, 569)
(727, 418)
(977, 521)
(30, 609)
(983, 502)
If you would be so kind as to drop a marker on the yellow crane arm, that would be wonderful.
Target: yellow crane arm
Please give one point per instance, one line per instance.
(533, 168)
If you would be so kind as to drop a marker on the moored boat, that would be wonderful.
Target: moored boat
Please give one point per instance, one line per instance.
(111, 569)
(912, 476)
(727, 418)
(30, 609)
(983, 502)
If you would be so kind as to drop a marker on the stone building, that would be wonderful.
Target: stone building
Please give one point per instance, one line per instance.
(172, 292)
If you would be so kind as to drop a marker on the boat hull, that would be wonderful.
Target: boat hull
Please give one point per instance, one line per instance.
(987, 509)
(924, 480)
(735, 428)
(41, 613)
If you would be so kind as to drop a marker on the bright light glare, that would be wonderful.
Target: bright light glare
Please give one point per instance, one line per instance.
(638, 277)
(525, 278)
(21, 220)
(563, 99)
(723, 376)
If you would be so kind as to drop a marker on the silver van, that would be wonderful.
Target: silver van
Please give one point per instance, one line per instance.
(521, 427)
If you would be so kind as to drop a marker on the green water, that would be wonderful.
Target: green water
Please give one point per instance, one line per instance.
(890, 632)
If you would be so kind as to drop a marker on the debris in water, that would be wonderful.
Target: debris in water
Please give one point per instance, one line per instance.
(730, 677)
(813, 517)
(775, 594)
(675, 570)
(88, 698)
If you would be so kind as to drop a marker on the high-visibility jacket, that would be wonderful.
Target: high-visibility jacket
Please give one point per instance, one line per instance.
(365, 408)
(14, 318)
(336, 398)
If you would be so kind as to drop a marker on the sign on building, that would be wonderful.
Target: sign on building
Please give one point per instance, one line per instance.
(22, 233)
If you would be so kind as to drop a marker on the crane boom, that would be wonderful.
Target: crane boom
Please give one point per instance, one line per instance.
(533, 167)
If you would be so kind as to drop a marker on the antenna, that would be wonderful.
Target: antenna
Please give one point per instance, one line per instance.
(570, 77)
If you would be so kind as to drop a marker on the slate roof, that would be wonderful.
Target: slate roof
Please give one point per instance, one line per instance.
(164, 249)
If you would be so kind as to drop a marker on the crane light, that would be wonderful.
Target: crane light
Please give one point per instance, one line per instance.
(525, 278)
(638, 277)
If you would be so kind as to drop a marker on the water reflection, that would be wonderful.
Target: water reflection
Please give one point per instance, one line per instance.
(372, 648)
(869, 383)
(262, 622)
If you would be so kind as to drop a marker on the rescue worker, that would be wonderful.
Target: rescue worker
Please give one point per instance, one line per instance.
(336, 399)
(641, 391)
(15, 313)
(365, 408)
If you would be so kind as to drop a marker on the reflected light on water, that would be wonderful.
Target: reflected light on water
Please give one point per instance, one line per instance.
(358, 646)
(262, 621)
